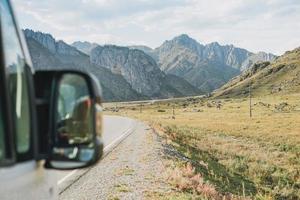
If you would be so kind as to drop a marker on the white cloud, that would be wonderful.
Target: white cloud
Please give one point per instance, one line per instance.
(271, 25)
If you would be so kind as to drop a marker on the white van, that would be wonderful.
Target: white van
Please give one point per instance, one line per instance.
(48, 119)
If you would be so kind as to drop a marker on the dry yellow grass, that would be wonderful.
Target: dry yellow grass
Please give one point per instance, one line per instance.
(259, 156)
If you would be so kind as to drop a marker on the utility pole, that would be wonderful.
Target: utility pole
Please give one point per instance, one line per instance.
(250, 103)
(173, 110)
(173, 117)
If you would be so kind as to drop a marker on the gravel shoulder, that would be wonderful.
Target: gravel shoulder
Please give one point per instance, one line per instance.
(133, 170)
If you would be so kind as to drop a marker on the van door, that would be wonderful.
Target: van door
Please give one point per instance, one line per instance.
(27, 179)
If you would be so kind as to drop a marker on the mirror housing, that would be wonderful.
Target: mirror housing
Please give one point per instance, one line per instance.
(69, 113)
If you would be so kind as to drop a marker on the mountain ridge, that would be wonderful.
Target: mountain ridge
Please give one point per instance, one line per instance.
(192, 44)
(206, 67)
(120, 90)
(65, 56)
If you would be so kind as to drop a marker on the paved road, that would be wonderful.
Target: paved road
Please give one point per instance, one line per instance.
(115, 129)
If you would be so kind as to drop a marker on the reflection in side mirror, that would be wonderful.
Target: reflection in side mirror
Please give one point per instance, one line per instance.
(76, 124)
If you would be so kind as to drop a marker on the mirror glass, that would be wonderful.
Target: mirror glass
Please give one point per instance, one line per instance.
(73, 142)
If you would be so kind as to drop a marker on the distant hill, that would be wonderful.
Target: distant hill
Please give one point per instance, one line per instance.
(282, 76)
(124, 74)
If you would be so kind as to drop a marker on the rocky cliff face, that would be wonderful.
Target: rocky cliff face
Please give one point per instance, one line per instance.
(226, 55)
(46, 40)
(139, 69)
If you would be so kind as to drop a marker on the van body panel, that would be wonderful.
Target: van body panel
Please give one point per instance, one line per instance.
(28, 180)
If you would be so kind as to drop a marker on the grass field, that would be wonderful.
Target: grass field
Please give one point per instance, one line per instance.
(256, 158)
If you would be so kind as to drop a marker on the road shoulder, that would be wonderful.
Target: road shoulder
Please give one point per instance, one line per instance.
(133, 170)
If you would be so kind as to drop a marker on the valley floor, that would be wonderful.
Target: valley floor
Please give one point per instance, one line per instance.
(233, 155)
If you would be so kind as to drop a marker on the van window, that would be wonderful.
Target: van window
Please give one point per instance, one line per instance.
(18, 88)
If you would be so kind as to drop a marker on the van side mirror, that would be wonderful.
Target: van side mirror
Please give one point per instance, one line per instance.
(75, 120)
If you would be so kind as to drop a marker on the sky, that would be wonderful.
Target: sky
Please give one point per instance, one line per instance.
(256, 25)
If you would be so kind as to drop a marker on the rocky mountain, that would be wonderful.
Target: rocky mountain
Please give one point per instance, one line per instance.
(138, 68)
(205, 66)
(45, 56)
(281, 76)
(123, 73)
(65, 53)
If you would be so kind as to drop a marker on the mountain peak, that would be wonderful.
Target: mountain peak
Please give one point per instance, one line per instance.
(215, 44)
(48, 41)
(45, 39)
(184, 39)
(180, 41)
(32, 32)
(183, 36)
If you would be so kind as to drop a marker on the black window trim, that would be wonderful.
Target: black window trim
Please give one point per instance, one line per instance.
(10, 157)
(32, 151)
